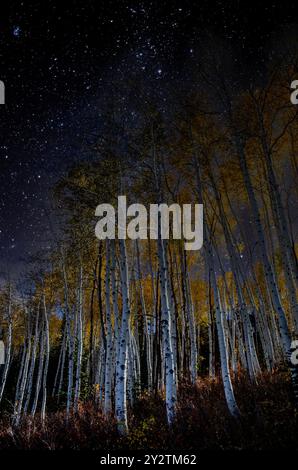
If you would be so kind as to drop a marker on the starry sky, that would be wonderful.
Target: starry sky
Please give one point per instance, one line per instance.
(57, 63)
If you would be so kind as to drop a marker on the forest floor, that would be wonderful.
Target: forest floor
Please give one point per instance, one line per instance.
(268, 421)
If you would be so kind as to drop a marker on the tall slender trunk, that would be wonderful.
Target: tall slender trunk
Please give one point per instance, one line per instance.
(121, 363)
(33, 360)
(268, 271)
(24, 375)
(79, 341)
(109, 341)
(8, 347)
(46, 362)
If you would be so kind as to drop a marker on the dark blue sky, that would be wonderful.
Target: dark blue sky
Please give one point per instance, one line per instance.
(58, 63)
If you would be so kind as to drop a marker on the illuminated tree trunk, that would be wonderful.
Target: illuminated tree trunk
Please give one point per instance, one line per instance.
(289, 261)
(79, 320)
(269, 274)
(228, 388)
(70, 341)
(33, 359)
(46, 362)
(144, 312)
(8, 346)
(60, 367)
(252, 361)
(191, 321)
(167, 348)
(211, 365)
(109, 337)
(208, 253)
(39, 370)
(21, 391)
(121, 363)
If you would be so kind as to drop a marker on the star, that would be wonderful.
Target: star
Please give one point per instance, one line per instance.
(16, 31)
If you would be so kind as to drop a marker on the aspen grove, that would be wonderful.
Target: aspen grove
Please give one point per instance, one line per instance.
(107, 321)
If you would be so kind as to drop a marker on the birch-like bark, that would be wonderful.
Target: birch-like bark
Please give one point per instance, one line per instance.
(269, 274)
(39, 371)
(191, 321)
(21, 391)
(70, 341)
(167, 348)
(144, 312)
(46, 360)
(252, 362)
(228, 388)
(208, 253)
(121, 363)
(79, 341)
(60, 367)
(211, 342)
(33, 360)
(8, 345)
(109, 337)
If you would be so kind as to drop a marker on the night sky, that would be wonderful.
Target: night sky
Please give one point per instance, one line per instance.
(57, 64)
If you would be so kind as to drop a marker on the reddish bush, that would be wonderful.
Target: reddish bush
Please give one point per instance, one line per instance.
(268, 421)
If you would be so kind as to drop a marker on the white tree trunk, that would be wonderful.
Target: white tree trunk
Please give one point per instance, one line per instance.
(121, 363)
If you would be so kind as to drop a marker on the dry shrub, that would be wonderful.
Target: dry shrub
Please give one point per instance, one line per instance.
(268, 421)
